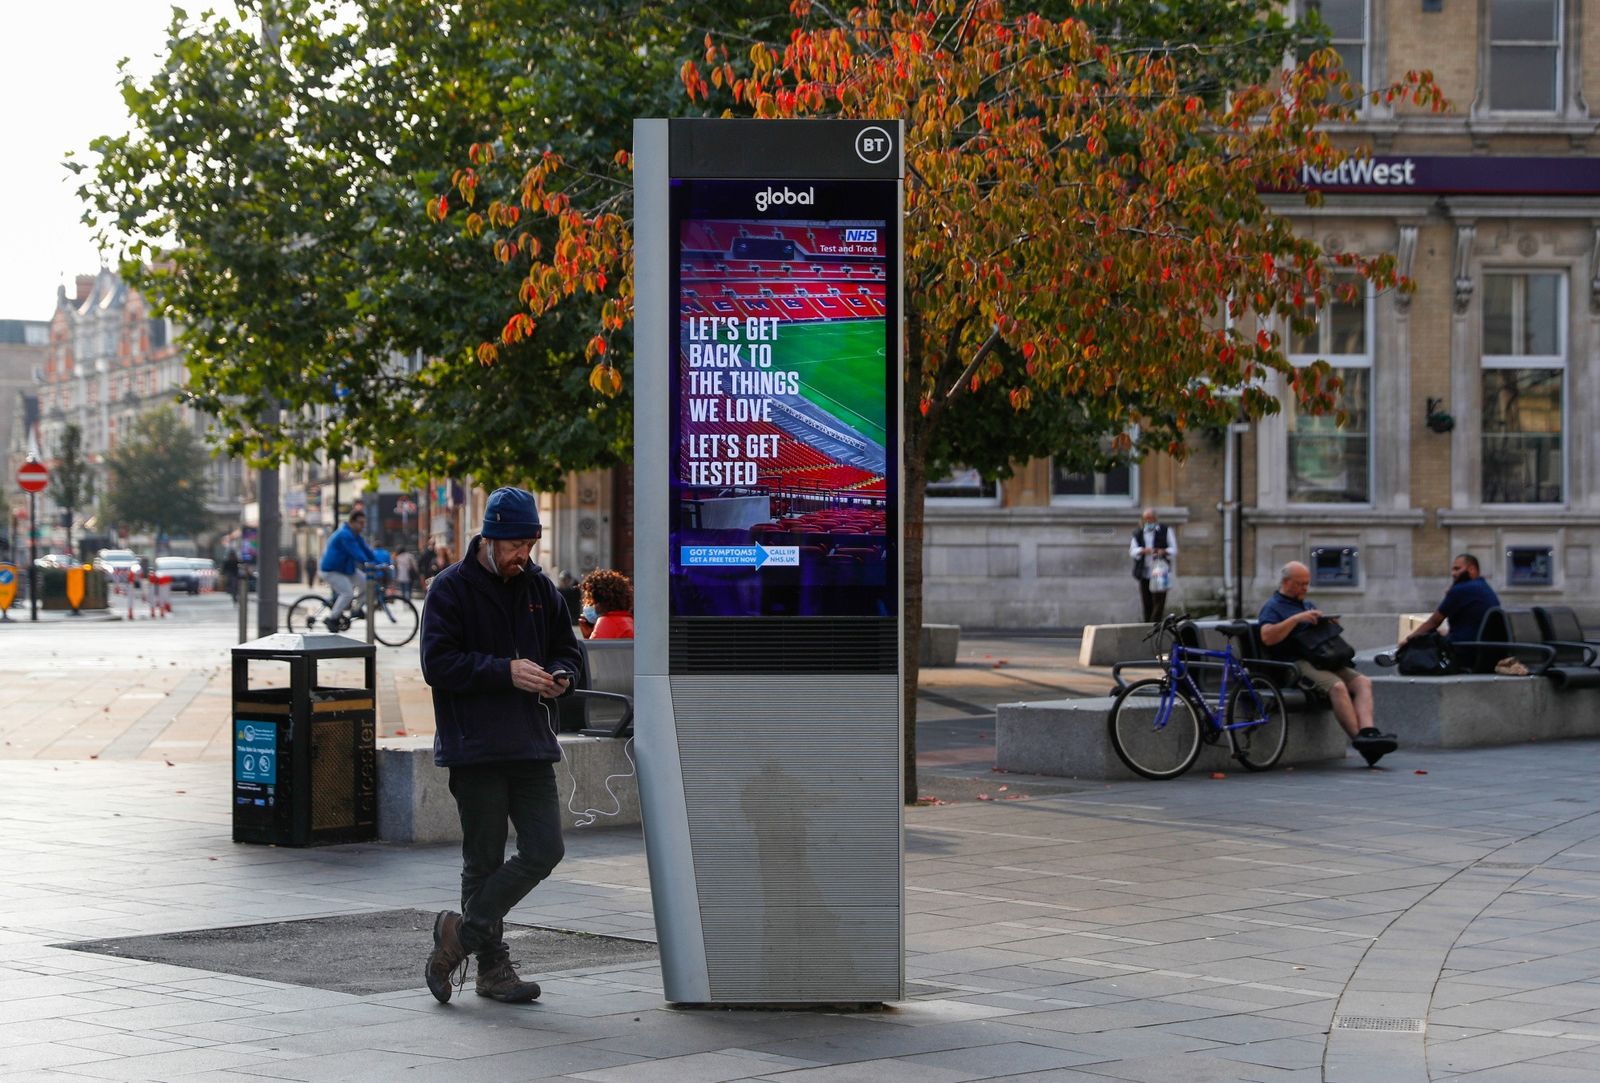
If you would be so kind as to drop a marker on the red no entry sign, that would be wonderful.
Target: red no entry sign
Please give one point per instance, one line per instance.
(33, 477)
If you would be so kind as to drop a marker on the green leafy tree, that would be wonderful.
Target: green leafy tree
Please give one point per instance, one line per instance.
(71, 479)
(271, 199)
(157, 477)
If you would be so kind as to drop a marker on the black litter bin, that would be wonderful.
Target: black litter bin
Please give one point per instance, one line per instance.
(304, 756)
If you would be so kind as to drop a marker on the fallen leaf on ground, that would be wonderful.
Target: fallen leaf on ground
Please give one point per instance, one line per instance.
(984, 797)
(1219, 774)
(1419, 772)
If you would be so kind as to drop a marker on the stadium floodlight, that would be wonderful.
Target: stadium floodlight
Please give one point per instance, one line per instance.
(768, 556)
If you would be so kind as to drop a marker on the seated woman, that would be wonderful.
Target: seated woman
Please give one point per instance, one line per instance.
(607, 605)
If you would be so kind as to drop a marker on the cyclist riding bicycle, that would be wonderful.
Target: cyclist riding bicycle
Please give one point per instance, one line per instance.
(341, 565)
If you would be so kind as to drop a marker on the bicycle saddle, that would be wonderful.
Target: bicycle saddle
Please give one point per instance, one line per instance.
(1234, 628)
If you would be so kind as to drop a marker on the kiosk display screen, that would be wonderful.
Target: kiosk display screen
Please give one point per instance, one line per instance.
(784, 414)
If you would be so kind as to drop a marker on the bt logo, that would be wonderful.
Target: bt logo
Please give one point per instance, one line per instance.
(873, 145)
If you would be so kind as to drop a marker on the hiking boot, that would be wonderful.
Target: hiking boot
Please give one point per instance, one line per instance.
(1373, 745)
(498, 980)
(447, 956)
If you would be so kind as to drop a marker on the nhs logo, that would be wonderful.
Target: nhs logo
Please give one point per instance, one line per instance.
(861, 236)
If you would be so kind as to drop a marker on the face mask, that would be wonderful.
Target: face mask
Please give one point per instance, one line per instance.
(589, 614)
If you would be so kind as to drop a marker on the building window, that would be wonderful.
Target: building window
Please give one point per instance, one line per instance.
(1330, 463)
(1118, 485)
(1524, 55)
(963, 484)
(1346, 21)
(1524, 374)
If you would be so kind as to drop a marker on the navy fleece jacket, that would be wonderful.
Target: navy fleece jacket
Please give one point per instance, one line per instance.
(473, 625)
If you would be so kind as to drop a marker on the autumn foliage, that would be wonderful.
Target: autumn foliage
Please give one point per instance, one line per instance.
(1089, 248)
(1080, 225)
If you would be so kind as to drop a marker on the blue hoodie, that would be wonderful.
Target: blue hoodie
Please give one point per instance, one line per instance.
(345, 550)
(473, 625)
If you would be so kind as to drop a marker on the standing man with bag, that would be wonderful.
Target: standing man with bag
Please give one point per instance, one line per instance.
(1153, 549)
(1287, 617)
(497, 650)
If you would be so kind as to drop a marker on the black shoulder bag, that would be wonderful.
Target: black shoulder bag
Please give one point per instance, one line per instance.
(1322, 644)
(1426, 656)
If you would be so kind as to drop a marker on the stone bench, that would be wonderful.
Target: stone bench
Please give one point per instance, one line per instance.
(415, 806)
(1068, 737)
(940, 643)
(1107, 644)
(1474, 710)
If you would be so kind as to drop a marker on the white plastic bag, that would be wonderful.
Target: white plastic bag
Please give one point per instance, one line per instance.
(1160, 575)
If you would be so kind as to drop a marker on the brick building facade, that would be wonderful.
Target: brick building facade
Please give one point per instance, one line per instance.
(1474, 410)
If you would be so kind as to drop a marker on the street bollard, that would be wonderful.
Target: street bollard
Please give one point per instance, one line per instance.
(372, 630)
(241, 583)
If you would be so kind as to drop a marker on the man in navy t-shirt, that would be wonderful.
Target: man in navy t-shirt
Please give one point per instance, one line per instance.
(1470, 596)
(1348, 691)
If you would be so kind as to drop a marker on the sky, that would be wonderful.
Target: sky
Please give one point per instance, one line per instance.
(58, 86)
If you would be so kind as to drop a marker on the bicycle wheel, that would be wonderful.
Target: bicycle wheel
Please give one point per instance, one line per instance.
(307, 614)
(1148, 745)
(395, 622)
(1259, 743)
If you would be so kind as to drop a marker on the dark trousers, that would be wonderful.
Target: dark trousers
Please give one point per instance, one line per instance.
(1155, 602)
(489, 797)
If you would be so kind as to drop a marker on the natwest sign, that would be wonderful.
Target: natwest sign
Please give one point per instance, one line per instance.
(1361, 173)
(1458, 175)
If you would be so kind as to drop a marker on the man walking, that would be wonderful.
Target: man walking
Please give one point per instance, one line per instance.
(497, 643)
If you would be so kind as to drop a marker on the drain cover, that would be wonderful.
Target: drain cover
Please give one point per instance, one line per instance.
(380, 952)
(1378, 1022)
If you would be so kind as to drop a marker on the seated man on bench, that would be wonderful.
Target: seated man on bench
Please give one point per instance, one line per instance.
(1348, 691)
(1470, 597)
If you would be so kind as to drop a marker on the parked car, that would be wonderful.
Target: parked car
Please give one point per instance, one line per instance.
(59, 560)
(118, 564)
(188, 574)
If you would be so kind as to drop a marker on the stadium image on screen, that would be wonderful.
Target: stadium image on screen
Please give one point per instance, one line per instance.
(782, 485)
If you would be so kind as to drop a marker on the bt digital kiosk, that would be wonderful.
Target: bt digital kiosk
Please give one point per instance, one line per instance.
(767, 559)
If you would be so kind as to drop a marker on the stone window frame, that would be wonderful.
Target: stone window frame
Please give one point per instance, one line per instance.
(1569, 62)
(1366, 360)
(1561, 360)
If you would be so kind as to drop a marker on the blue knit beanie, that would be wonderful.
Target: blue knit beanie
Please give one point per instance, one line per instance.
(511, 515)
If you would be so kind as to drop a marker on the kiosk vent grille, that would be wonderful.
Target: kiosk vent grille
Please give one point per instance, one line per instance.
(783, 645)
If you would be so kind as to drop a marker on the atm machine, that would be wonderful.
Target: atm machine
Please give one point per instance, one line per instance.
(768, 544)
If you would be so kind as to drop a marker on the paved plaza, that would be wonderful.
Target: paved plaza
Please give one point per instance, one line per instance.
(1434, 920)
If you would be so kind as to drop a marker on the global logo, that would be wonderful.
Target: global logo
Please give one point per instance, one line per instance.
(771, 197)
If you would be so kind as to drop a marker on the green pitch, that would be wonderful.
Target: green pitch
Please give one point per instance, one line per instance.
(841, 369)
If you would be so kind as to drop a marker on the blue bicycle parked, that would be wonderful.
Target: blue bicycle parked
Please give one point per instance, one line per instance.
(1157, 725)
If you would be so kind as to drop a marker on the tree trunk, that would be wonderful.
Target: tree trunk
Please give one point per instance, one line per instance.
(915, 487)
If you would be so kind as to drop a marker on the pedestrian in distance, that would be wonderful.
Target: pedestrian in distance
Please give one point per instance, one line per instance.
(1350, 692)
(497, 651)
(405, 571)
(1153, 549)
(341, 564)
